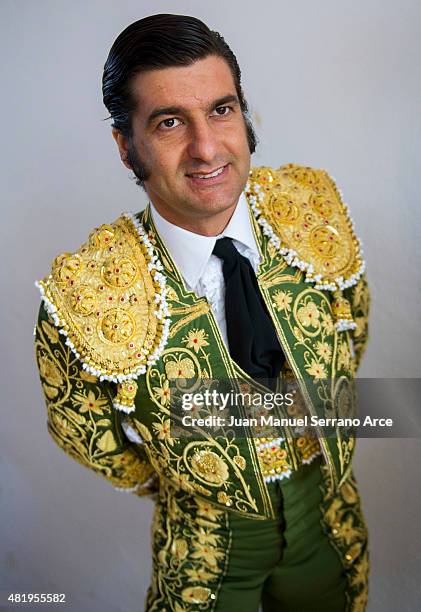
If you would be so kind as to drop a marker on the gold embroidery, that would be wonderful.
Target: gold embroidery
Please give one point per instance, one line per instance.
(143, 430)
(104, 299)
(277, 459)
(196, 339)
(307, 314)
(314, 344)
(324, 350)
(191, 313)
(208, 466)
(282, 300)
(307, 332)
(162, 393)
(81, 419)
(305, 210)
(271, 278)
(195, 466)
(180, 368)
(191, 541)
(344, 356)
(359, 298)
(344, 524)
(273, 458)
(307, 448)
(126, 393)
(341, 308)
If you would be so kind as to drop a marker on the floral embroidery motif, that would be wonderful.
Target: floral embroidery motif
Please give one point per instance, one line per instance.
(317, 370)
(49, 371)
(216, 461)
(191, 542)
(81, 419)
(344, 524)
(180, 368)
(344, 357)
(324, 351)
(327, 323)
(320, 352)
(308, 315)
(359, 298)
(50, 331)
(86, 401)
(209, 466)
(163, 431)
(274, 460)
(196, 339)
(162, 393)
(282, 300)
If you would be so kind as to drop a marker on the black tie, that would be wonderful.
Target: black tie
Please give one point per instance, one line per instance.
(252, 339)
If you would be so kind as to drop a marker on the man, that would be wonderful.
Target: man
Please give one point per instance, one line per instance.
(230, 274)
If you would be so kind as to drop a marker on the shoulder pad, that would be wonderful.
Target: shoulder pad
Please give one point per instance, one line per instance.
(302, 212)
(108, 298)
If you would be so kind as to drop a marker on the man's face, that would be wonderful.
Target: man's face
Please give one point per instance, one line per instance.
(189, 133)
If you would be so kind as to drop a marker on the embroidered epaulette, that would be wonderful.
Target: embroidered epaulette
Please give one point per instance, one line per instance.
(302, 212)
(109, 300)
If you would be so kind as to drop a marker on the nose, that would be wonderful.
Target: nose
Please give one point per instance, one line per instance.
(203, 141)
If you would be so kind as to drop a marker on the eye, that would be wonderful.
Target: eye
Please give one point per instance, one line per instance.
(223, 110)
(169, 123)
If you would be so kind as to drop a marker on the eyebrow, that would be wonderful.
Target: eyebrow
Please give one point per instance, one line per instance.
(177, 110)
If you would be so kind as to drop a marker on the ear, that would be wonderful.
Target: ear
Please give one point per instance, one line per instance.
(122, 146)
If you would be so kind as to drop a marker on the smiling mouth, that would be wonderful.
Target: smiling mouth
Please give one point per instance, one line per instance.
(209, 175)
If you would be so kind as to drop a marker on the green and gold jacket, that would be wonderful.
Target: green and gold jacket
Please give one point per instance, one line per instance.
(117, 324)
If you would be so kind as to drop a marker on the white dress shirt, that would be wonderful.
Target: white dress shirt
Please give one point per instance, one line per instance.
(192, 254)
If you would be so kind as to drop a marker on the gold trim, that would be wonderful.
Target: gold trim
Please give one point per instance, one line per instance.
(232, 368)
(303, 211)
(103, 299)
(288, 353)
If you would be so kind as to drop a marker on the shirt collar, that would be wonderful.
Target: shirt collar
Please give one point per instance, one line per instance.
(191, 252)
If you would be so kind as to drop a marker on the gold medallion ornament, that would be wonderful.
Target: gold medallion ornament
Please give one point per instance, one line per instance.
(109, 300)
(302, 212)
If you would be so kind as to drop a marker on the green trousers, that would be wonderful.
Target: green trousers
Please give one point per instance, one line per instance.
(312, 558)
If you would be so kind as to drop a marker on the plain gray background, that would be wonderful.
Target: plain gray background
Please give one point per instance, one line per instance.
(331, 84)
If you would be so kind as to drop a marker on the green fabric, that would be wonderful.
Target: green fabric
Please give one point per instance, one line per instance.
(318, 354)
(311, 558)
(287, 563)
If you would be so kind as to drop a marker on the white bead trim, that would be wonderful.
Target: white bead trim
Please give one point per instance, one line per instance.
(290, 255)
(155, 267)
(127, 489)
(123, 408)
(311, 458)
(344, 325)
(161, 313)
(288, 473)
(280, 476)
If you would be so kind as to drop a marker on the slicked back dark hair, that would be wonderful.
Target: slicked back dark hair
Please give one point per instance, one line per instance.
(156, 42)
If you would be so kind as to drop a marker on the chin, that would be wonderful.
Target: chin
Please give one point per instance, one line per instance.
(216, 206)
(221, 199)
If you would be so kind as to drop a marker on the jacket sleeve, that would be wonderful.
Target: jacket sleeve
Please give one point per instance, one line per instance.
(359, 298)
(81, 418)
